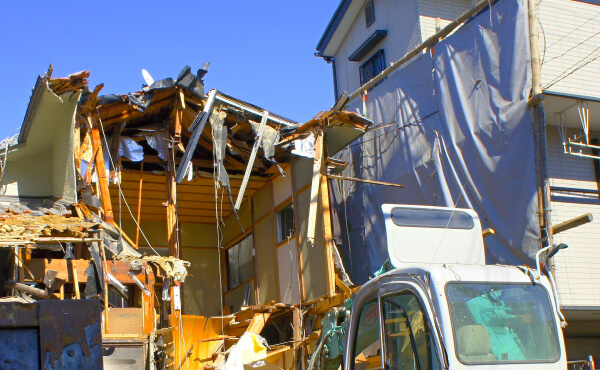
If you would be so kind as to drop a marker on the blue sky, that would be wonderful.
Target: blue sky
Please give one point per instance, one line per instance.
(260, 51)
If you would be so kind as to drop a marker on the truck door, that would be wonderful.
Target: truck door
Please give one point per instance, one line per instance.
(390, 329)
(408, 342)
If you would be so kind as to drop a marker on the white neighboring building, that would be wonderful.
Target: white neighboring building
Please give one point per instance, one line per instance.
(365, 36)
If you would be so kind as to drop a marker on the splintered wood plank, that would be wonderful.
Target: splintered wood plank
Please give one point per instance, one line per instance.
(328, 235)
(315, 189)
(258, 322)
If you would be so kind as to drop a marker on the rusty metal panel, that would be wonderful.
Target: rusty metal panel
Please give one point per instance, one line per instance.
(70, 334)
(19, 348)
(51, 334)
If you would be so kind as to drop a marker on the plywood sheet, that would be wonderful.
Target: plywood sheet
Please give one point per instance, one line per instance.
(128, 320)
(198, 235)
(193, 349)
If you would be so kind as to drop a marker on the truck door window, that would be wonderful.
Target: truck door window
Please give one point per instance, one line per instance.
(367, 345)
(407, 339)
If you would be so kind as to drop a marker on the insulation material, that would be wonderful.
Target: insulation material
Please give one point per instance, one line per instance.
(249, 349)
(42, 165)
(314, 273)
(289, 280)
(458, 126)
(201, 286)
(159, 141)
(266, 273)
(128, 148)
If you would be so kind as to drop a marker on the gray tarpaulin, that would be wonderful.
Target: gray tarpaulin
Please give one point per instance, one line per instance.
(458, 132)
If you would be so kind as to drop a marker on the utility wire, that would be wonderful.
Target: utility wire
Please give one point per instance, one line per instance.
(564, 75)
(579, 44)
(577, 28)
(414, 123)
(120, 189)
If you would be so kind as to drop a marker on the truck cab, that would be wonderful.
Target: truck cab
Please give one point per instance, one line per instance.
(441, 307)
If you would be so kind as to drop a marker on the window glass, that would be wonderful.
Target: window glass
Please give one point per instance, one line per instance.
(369, 13)
(502, 323)
(240, 264)
(285, 222)
(372, 67)
(407, 339)
(367, 346)
(451, 219)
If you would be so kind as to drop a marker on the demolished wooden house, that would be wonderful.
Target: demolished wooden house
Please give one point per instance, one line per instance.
(193, 218)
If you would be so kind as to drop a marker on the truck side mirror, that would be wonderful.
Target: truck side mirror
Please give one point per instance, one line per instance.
(554, 249)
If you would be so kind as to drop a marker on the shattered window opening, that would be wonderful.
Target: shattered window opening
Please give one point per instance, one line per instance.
(285, 222)
(240, 263)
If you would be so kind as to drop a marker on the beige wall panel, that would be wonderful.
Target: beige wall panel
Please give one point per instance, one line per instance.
(289, 283)
(313, 258)
(262, 203)
(201, 290)
(302, 168)
(232, 228)
(282, 189)
(266, 274)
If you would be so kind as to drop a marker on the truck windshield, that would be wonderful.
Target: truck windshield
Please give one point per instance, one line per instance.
(502, 323)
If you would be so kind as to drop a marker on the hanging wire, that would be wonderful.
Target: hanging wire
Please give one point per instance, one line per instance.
(566, 73)
(576, 29)
(219, 221)
(121, 190)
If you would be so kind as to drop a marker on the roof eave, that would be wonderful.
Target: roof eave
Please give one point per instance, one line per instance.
(335, 21)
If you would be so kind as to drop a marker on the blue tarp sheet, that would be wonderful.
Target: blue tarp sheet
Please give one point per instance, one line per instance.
(457, 131)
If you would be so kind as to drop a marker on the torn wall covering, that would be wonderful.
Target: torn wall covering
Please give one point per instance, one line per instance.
(41, 164)
(455, 125)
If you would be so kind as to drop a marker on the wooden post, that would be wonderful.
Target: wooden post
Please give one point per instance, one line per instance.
(139, 207)
(171, 207)
(315, 188)
(328, 236)
(75, 278)
(101, 170)
(106, 308)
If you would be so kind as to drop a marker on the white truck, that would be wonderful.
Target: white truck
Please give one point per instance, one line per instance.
(441, 307)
